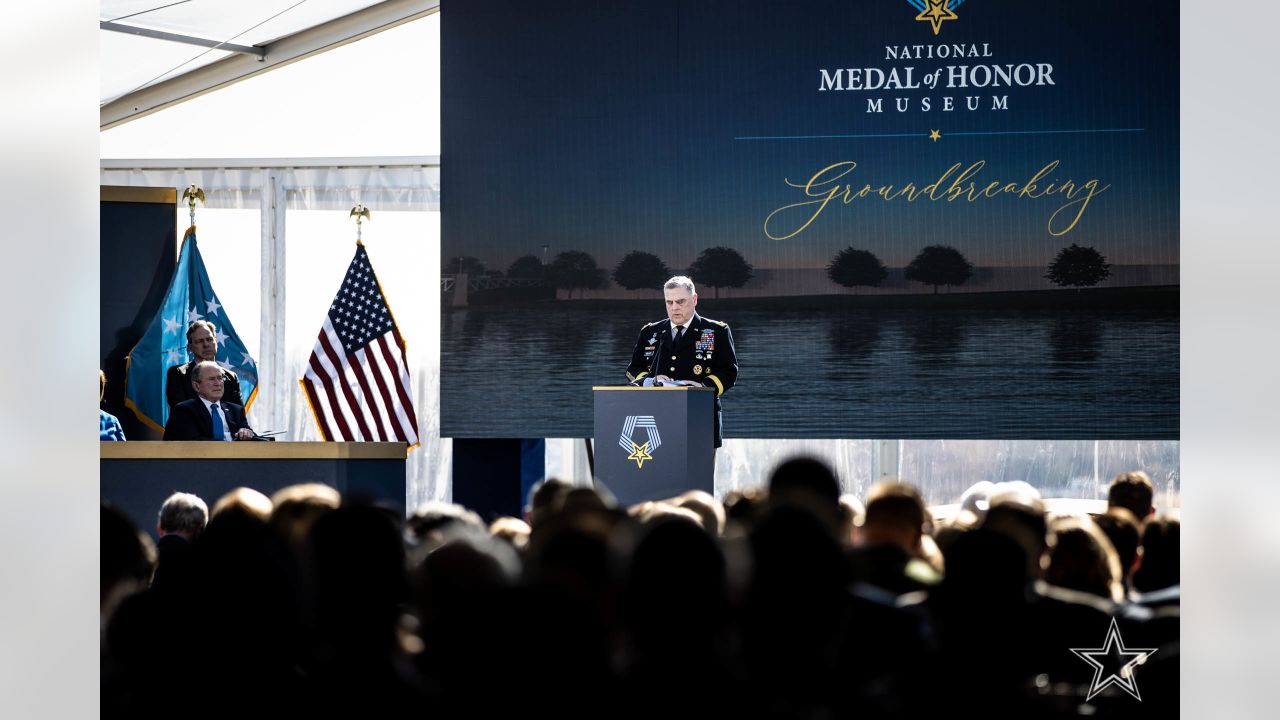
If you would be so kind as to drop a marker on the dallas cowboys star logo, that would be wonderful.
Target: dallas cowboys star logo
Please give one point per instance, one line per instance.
(1120, 659)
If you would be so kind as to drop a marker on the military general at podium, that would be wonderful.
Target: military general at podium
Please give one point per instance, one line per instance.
(685, 349)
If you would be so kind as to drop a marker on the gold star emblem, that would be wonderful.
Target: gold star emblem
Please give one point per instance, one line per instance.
(639, 453)
(936, 13)
(934, 135)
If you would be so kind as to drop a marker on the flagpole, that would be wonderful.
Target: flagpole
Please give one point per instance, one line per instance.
(360, 213)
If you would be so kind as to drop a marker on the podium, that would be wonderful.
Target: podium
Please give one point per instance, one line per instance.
(654, 443)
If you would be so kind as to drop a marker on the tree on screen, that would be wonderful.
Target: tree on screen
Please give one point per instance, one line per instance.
(641, 270)
(576, 270)
(854, 268)
(938, 265)
(720, 267)
(1078, 267)
(528, 267)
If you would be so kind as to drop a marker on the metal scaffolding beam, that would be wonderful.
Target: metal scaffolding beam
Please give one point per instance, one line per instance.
(257, 52)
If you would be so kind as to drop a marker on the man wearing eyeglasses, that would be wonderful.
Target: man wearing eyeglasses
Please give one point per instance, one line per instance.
(207, 417)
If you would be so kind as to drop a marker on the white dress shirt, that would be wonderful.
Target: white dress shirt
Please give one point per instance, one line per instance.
(217, 408)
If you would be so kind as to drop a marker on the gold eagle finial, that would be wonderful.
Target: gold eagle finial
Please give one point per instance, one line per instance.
(191, 195)
(360, 213)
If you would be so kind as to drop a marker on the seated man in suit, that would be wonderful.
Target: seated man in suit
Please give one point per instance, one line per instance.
(207, 417)
(202, 343)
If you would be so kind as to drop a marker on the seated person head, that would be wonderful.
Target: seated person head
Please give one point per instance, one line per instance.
(1121, 529)
(126, 560)
(296, 508)
(1134, 492)
(1159, 568)
(245, 502)
(546, 498)
(1082, 558)
(182, 514)
(202, 340)
(895, 516)
(706, 506)
(1019, 515)
(809, 483)
(207, 379)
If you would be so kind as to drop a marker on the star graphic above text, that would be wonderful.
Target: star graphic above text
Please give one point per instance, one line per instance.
(639, 453)
(936, 13)
(1116, 660)
(211, 307)
(171, 325)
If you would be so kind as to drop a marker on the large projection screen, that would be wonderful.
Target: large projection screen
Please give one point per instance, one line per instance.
(924, 221)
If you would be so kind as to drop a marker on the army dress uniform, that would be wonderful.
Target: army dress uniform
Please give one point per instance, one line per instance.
(703, 354)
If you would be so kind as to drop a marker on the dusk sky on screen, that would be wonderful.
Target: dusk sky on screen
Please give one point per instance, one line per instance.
(610, 127)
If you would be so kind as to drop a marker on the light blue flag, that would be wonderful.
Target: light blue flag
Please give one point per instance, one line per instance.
(190, 298)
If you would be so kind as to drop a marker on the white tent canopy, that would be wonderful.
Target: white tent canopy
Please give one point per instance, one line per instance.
(155, 54)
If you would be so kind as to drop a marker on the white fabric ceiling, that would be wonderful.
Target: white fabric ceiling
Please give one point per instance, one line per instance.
(130, 63)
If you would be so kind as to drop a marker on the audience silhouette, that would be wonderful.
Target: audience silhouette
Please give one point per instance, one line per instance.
(785, 601)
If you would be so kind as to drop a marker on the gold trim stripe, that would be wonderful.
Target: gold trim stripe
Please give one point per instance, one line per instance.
(719, 385)
(125, 193)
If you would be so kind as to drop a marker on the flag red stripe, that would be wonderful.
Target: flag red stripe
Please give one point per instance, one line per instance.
(399, 382)
(340, 363)
(362, 381)
(404, 414)
(327, 382)
(321, 417)
(376, 370)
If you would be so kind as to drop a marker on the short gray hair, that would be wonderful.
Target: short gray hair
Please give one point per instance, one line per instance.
(183, 512)
(200, 366)
(680, 281)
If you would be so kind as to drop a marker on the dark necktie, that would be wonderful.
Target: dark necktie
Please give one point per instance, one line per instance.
(218, 432)
(679, 334)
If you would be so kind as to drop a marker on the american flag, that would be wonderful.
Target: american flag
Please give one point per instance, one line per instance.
(357, 379)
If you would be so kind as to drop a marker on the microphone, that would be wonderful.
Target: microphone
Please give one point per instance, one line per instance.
(657, 354)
